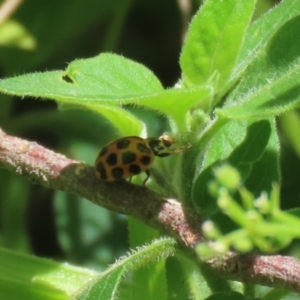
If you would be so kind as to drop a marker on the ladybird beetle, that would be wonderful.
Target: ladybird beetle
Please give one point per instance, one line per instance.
(131, 155)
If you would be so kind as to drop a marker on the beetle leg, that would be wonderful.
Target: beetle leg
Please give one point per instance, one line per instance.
(146, 179)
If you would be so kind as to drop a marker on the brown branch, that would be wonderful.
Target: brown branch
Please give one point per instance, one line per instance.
(56, 171)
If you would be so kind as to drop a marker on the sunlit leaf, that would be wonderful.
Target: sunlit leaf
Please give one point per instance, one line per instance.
(214, 40)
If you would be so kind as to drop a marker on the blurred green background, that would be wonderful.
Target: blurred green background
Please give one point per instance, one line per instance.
(46, 35)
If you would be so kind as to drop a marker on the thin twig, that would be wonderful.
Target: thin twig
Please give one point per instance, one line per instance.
(7, 8)
(185, 8)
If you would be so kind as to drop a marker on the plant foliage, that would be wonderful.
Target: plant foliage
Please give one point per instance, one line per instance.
(237, 75)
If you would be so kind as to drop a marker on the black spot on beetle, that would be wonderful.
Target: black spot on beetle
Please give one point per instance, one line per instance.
(123, 144)
(117, 173)
(143, 148)
(128, 157)
(145, 160)
(134, 169)
(111, 159)
(156, 146)
(167, 143)
(154, 143)
(100, 168)
(103, 152)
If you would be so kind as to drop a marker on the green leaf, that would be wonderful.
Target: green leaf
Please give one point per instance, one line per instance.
(126, 123)
(267, 166)
(214, 40)
(176, 279)
(230, 296)
(271, 85)
(105, 82)
(176, 102)
(216, 142)
(106, 284)
(242, 155)
(253, 147)
(290, 124)
(11, 290)
(259, 34)
(102, 288)
(149, 281)
(110, 75)
(198, 285)
(224, 142)
(276, 294)
(28, 277)
(13, 33)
